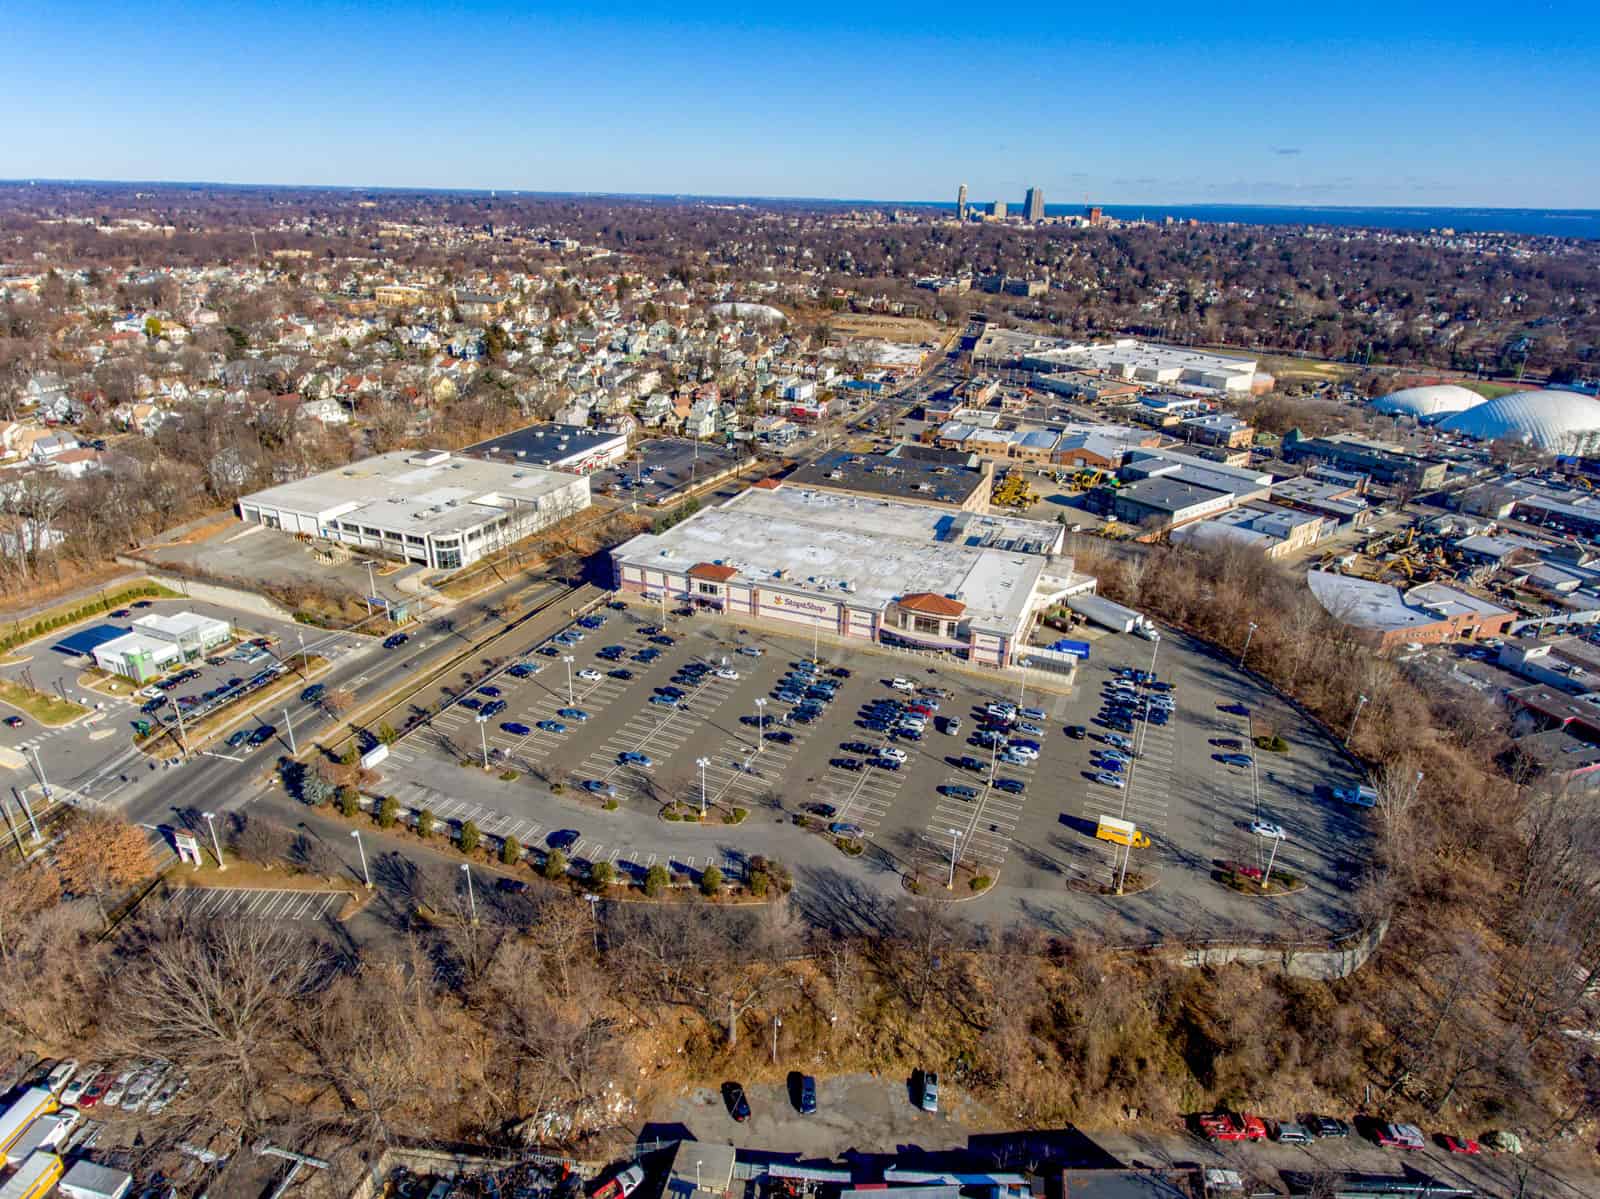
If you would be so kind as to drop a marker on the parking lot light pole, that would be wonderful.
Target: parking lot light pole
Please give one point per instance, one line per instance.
(1361, 702)
(702, 763)
(483, 738)
(594, 920)
(288, 725)
(216, 846)
(372, 587)
(1271, 858)
(472, 903)
(1247, 637)
(777, 1023)
(572, 699)
(365, 873)
(761, 722)
(955, 852)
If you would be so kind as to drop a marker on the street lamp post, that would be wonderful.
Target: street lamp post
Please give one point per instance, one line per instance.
(38, 767)
(702, 763)
(1247, 637)
(472, 902)
(572, 698)
(288, 725)
(761, 722)
(594, 920)
(955, 852)
(1361, 702)
(483, 738)
(777, 1023)
(183, 737)
(365, 873)
(305, 659)
(216, 846)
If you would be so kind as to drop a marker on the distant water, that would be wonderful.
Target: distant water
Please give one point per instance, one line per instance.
(1536, 222)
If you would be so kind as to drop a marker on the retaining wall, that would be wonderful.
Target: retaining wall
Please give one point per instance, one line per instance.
(1322, 963)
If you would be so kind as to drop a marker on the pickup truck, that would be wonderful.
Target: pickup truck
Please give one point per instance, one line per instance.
(1223, 1126)
(620, 1186)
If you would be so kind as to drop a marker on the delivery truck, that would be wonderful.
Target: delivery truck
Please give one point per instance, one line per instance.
(1121, 832)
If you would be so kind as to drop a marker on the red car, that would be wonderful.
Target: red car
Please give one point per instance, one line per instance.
(1222, 1126)
(1462, 1145)
(97, 1089)
(1398, 1136)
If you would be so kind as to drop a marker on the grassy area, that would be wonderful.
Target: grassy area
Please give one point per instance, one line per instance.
(1286, 369)
(1491, 391)
(46, 709)
(20, 631)
(889, 328)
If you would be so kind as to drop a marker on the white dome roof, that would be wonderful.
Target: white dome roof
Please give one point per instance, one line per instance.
(1557, 421)
(1428, 403)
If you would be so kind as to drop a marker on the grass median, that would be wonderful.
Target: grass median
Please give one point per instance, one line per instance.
(46, 709)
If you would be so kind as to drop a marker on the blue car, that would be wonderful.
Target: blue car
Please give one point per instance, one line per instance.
(577, 714)
(493, 708)
(490, 691)
(632, 758)
(515, 728)
(664, 701)
(552, 726)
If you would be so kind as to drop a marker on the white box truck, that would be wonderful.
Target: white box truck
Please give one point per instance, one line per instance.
(34, 1102)
(85, 1180)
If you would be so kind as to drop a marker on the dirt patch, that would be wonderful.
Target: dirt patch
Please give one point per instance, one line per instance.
(889, 328)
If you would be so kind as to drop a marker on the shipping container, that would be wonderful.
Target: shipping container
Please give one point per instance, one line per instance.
(34, 1180)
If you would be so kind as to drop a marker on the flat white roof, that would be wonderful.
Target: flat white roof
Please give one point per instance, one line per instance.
(865, 552)
(424, 493)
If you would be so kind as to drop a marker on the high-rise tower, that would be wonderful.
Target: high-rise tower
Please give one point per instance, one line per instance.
(1034, 207)
(961, 203)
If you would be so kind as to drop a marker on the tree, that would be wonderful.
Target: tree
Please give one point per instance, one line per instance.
(100, 853)
(258, 840)
(218, 1000)
(349, 802)
(387, 734)
(602, 875)
(425, 822)
(656, 880)
(469, 837)
(510, 851)
(555, 865)
(710, 881)
(388, 812)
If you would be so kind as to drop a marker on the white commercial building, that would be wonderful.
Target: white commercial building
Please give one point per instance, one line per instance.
(879, 570)
(1126, 358)
(429, 507)
(158, 641)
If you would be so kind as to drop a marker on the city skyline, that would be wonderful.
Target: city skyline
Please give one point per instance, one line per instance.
(1165, 106)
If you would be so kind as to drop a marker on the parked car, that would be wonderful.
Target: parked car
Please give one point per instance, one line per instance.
(805, 1100)
(1398, 1136)
(751, 651)
(395, 640)
(1077, 732)
(622, 673)
(900, 684)
(825, 810)
(893, 753)
(959, 791)
(72, 1093)
(1010, 786)
(724, 672)
(599, 787)
(577, 714)
(589, 675)
(1265, 828)
(1465, 1146)
(551, 726)
(1110, 780)
(61, 1075)
(734, 1097)
(516, 728)
(1225, 1126)
(1288, 1132)
(1235, 759)
(928, 1091)
(1326, 1127)
(632, 757)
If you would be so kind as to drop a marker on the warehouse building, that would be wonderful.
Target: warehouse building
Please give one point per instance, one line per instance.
(1380, 461)
(964, 487)
(1389, 617)
(556, 447)
(428, 507)
(878, 570)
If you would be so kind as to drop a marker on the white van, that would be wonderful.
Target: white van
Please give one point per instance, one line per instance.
(1358, 797)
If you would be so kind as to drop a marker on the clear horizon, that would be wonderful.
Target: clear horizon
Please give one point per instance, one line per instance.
(1401, 105)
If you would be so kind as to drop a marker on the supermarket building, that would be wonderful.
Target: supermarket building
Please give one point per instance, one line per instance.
(876, 570)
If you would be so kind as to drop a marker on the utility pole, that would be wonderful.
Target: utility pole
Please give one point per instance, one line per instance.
(777, 1023)
(594, 920)
(183, 737)
(38, 766)
(288, 725)
(365, 873)
(27, 810)
(305, 659)
(372, 587)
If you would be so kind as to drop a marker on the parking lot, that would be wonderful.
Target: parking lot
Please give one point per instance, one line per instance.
(665, 467)
(284, 904)
(644, 716)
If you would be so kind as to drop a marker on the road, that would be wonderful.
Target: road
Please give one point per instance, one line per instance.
(216, 779)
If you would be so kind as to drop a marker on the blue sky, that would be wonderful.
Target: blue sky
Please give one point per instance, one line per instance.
(1465, 103)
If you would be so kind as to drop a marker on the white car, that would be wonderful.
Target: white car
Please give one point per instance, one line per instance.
(168, 1092)
(893, 752)
(80, 1083)
(61, 1075)
(142, 1088)
(727, 672)
(1265, 828)
(589, 674)
(900, 684)
(118, 1088)
(1024, 751)
(751, 651)
(1110, 780)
